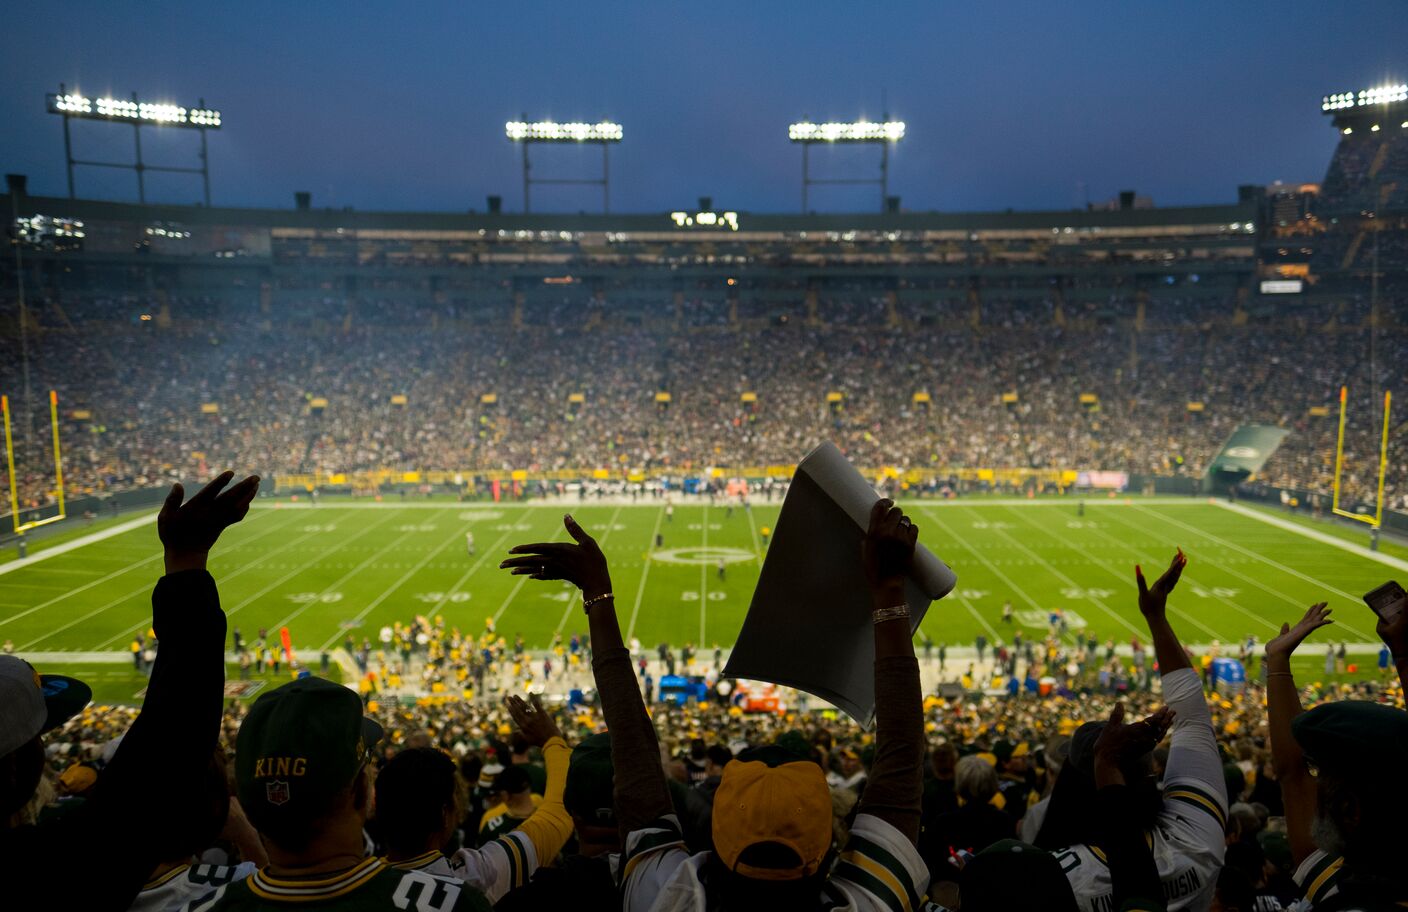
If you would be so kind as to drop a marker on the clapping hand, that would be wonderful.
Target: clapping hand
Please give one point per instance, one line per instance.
(1154, 599)
(533, 721)
(1120, 744)
(581, 564)
(189, 530)
(1283, 644)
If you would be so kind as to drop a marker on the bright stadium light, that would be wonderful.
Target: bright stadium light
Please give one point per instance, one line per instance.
(527, 133)
(883, 133)
(72, 104)
(857, 131)
(1385, 94)
(552, 131)
(135, 113)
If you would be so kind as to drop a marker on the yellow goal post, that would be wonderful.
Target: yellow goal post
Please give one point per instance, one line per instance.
(22, 527)
(1377, 519)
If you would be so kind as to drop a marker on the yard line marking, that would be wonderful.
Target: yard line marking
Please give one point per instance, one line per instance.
(401, 581)
(86, 586)
(1322, 537)
(488, 552)
(644, 573)
(1099, 603)
(84, 571)
(757, 544)
(992, 631)
(576, 594)
(337, 583)
(248, 565)
(522, 579)
(704, 576)
(987, 563)
(146, 621)
(90, 538)
(1181, 615)
(1300, 604)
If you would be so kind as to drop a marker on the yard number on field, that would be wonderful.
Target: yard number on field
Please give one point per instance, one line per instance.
(304, 598)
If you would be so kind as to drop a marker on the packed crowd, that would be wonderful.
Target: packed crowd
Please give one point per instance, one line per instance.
(312, 797)
(143, 389)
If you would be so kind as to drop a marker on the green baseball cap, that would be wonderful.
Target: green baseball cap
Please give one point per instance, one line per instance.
(1347, 734)
(591, 784)
(299, 746)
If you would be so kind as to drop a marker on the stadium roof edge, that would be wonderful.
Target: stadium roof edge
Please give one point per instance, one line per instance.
(656, 222)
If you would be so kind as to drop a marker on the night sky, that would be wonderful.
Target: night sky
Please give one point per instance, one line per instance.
(1024, 105)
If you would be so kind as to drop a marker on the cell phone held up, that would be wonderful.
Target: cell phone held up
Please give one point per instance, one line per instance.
(1389, 601)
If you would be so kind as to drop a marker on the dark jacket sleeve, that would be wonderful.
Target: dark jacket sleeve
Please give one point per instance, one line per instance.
(156, 768)
(1134, 877)
(642, 797)
(895, 787)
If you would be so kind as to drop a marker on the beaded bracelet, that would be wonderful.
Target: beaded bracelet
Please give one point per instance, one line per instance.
(894, 612)
(588, 603)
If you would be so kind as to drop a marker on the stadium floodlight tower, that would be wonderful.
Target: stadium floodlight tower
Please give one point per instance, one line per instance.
(602, 133)
(883, 134)
(137, 114)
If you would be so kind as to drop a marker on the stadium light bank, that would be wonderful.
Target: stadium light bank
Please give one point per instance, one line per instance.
(602, 133)
(1364, 98)
(136, 113)
(884, 134)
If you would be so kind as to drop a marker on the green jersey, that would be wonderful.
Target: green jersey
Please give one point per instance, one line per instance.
(371, 885)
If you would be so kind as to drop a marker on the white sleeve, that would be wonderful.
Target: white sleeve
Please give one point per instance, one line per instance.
(653, 855)
(498, 866)
(1194, 790)
(1319, 876)
(880, 870)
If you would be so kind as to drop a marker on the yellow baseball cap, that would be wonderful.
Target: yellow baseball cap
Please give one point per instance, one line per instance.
(789, 805)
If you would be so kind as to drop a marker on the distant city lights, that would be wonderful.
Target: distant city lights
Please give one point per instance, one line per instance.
(858, 131)
(156, 113)
(552, 131)
(1364, 98)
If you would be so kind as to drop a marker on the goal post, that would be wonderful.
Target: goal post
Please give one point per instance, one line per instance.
(1377, 519)
(22, 527)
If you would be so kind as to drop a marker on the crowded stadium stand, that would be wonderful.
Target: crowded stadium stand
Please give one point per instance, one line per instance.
(1190, 321)
(338, 352)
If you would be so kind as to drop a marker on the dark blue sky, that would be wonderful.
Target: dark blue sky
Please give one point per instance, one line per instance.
(400, 105)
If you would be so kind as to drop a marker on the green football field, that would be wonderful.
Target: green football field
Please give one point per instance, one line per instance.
(349, 567)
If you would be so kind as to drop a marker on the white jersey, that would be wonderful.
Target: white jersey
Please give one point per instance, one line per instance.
(493, 869)
(179, 886)
(1187, 840)
(1318, 878)
(879, 871)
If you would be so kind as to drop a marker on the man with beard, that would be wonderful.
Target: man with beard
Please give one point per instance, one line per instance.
(1359, 817)
(1342, 825)
(1185, 820)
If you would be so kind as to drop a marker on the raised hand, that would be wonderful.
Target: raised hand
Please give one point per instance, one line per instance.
(189, 530)
(581, 564)
(888, 549)
(1283, 644)
(533, 721)
(1153, 600)
(1120, 744)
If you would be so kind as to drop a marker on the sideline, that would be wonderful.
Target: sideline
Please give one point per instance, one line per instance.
(75, 544)
(1317, 535)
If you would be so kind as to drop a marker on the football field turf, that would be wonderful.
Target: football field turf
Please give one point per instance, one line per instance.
(345, 567)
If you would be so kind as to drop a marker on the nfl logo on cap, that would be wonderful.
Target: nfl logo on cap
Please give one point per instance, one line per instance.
(276, 792)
